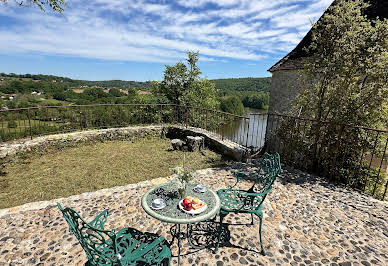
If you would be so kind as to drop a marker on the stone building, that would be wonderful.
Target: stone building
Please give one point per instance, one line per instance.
(286, 81)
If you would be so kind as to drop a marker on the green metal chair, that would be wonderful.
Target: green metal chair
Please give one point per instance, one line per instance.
(126, 247)
(250, 201)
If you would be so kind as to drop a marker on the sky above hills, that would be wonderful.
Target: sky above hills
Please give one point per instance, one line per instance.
(134, 39)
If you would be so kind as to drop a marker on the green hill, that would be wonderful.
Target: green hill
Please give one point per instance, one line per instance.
(75, 82)
(230, 84)
(243, 84)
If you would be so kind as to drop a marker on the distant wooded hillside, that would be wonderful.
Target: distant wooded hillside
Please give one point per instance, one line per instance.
(26, 90)
(238, 84)
(75, 82)
(243, 84)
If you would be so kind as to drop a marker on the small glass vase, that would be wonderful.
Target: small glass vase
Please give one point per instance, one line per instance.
(182, 190)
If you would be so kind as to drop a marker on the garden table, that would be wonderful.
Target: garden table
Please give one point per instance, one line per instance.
(172, 213)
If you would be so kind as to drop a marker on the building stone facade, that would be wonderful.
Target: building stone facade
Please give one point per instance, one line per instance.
(285, 86)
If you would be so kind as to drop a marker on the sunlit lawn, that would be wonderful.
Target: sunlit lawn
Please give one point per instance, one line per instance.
(90, 167)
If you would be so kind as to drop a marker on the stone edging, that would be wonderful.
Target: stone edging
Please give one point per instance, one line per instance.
(38, 205)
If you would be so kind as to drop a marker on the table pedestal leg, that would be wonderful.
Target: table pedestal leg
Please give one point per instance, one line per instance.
(179, 244)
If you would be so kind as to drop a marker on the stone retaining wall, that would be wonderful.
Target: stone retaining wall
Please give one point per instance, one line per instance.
(67, 139)
(226, 148)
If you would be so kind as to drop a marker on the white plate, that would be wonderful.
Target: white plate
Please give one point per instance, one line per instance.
(198, 211)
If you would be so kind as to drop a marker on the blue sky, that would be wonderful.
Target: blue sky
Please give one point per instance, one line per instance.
(134, 39)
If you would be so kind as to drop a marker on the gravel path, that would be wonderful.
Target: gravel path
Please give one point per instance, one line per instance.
(307, 222)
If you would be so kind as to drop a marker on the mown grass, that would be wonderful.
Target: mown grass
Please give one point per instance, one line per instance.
(90, 167)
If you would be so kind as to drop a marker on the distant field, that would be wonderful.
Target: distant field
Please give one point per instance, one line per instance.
(90, 167)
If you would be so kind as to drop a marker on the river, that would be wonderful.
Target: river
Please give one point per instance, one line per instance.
(248, 132)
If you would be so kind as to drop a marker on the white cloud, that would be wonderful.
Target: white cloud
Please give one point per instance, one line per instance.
(199, 3)
(160, 31)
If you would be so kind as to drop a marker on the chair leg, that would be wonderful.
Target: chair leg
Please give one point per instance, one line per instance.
(261, 241)
(252, 219)
(222, 216)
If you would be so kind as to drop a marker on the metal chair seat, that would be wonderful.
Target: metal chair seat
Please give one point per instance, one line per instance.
(238, 201)
(126, 247)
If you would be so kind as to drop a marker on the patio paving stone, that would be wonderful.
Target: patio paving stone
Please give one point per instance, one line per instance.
(307, 222)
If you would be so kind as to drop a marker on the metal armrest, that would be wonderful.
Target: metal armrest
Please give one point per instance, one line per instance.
(99, 221)
(252, 194)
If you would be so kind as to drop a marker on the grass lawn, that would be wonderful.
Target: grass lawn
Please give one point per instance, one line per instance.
(90, 167)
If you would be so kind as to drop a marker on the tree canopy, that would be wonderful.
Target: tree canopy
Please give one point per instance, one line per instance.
(346, 79)
(243, 84)
(55, 5)
(232, 105)
(183, 85)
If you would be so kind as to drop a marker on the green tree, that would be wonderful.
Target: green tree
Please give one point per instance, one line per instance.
(94, 93)
(346, 78)
(182, 85)
(232, 105)
(55, 5)
(115, 92)
(132, 92)
(345, 81)
(59, 95)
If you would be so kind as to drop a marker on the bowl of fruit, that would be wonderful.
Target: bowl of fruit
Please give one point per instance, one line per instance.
(192, 205)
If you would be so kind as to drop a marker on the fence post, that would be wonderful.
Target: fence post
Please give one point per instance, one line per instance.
(315, 146)
(29, 121)
(80, 119)
(385, 190)
(206, 123)
(246, 143)
(187, 117)
(381, 164)
(334, 161)
(161, 115)
(223, 131)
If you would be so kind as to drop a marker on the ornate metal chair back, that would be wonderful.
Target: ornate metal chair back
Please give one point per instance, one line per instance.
(97, 244)
(268, 169)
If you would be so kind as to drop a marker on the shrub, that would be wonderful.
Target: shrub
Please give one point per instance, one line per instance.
(232, 105)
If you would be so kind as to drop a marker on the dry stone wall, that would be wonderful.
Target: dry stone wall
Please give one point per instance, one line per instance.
(68, 139)
(224, 147)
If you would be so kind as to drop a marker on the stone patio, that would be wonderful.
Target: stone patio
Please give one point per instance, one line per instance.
(307, 222)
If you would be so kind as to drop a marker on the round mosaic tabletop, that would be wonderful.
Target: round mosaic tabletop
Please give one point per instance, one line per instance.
(172, 213)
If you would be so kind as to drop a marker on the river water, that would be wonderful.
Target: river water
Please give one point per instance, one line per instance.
(248, 132)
